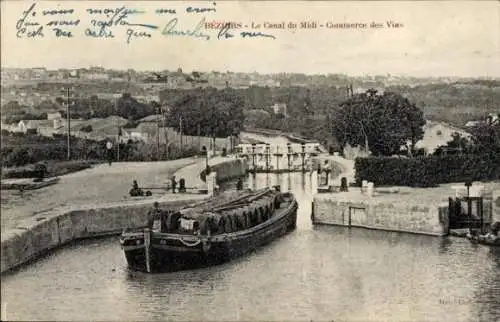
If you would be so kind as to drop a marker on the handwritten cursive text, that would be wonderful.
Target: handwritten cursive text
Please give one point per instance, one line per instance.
(170, 30)
(62, 33)
(131, 33)
(165, 11)
(225, 33)
(27, 27)
(102, 27)
(244, 34)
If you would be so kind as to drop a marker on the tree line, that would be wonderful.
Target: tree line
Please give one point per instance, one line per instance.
(382, 122)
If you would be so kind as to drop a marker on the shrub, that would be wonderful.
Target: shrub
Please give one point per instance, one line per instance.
(87, 128)
(427, 171)
(51, 169)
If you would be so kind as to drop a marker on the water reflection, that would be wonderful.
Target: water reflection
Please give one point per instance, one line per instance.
(314, 273)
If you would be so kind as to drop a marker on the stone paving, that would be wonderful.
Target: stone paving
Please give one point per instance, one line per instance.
(408, 195)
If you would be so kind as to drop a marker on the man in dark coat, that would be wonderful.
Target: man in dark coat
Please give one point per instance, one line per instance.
(154, 214)
(239, 184)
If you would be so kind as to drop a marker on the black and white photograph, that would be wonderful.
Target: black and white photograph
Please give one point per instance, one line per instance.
(250, 160)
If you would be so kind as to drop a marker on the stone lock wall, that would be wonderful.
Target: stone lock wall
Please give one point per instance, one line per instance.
(431, 220)
(62, 225)
(496, 205)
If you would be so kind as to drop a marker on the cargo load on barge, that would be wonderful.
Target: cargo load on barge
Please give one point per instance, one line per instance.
(210, 232)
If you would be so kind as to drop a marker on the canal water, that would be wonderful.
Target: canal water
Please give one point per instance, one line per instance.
(313, 273)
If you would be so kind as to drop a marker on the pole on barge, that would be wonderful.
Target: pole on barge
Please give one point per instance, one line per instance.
(147, 244)
(68, 119)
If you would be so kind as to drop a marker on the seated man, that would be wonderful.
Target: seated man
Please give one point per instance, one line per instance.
(136, 191)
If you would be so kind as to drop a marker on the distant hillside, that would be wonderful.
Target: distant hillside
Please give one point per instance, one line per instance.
(454, 103)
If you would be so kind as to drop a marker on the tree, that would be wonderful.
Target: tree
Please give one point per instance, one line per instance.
(128, 107)
(486, 138)
(457, 143)
(12, 107)
(380, 123)
(209, 112)
(47, 105)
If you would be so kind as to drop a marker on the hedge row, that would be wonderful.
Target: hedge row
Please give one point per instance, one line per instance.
(22, 150)
(427, 171)
(54, 168)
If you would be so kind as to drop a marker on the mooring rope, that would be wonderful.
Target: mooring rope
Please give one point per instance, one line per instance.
(196, 243)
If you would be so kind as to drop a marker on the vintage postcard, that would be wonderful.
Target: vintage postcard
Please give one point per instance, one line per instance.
(250, 160)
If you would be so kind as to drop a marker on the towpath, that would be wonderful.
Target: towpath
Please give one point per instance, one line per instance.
(100, 184)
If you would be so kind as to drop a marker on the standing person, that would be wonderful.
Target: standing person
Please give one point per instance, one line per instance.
(239, 184)
(174, 183)
(154, 217)
(109, 147)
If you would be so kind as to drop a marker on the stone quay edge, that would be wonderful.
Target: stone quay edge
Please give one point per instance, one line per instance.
(59, 226)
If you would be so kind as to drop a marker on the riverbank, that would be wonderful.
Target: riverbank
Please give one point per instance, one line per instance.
(55, 227)
(55, 168)
(99, 184)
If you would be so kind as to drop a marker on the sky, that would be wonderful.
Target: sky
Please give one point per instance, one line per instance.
(438, 38)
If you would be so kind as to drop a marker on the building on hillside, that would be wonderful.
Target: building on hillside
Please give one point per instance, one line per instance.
(150, 133)
(353, 152)
(152, 119)
(54, 116)
(7, 127)
(109, 134)
(146, 131)
(74, 74)
(39, 73)
(109, 96)
(94, 76)
(473, 124)
(40, 127)
(437, 134)
(145, 99)
(491, 119)
(279, 108)
(137, 135)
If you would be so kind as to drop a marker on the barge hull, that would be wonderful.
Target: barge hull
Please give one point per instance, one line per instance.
(165, 256)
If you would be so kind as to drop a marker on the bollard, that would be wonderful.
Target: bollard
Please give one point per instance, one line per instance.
(211, 183)
(370, 188)
(182, 185)
(343, 185)
(314, 181)
(40, 171)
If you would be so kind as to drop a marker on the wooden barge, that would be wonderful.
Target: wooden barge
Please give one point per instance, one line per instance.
(210, 232)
